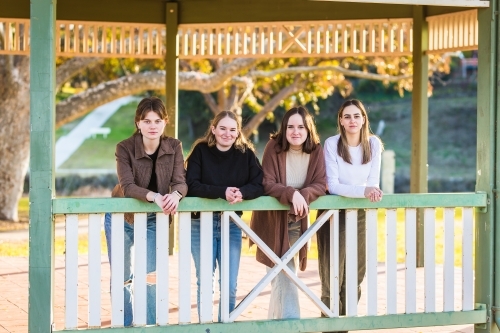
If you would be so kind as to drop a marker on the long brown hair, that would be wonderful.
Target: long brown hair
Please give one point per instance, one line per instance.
(342, 146)
(312, 139)
(240, 143)
(146, 105)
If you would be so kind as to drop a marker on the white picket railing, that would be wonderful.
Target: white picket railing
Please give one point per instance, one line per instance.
(335, 38)
(373, 277)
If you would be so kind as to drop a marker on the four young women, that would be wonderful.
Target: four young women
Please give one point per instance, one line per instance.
(222, 164)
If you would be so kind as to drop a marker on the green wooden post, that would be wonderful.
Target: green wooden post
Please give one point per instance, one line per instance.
(172, 69)
(419, 119)
(487, 91)
(42, 115)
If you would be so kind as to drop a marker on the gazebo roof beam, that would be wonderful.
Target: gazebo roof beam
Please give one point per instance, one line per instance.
(228, 11)
(451, 3)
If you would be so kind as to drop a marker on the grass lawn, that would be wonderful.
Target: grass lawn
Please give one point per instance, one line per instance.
(99, 152)
(21, 248)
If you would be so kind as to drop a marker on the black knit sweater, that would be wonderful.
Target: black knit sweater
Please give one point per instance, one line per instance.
(211, 171)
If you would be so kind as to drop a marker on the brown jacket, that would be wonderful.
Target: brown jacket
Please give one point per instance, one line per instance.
(134, 168)
(272, 226)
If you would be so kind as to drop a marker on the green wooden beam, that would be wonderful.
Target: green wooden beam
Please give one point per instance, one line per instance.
(172, 68)
(419, 119)
(318, 324)
(42, 190)
(123, 205)
(487, 90)
(171, 85)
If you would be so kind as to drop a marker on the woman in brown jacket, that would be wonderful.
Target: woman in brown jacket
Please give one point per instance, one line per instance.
(294, 173)
(150, 167)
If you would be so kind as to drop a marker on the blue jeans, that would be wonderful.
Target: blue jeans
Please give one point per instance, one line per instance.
(234, 256)
(128, 274)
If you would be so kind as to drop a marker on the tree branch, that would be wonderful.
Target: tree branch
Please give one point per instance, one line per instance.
(315, 69)
(212, 104)
(79, 104)
(297, 85)
(212, 82)
(73, 66)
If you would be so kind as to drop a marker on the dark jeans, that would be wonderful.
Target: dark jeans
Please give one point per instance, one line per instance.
(323, 236)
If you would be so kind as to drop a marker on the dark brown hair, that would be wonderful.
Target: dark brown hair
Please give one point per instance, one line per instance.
(148, 104)
(342, 146)
(312, 139)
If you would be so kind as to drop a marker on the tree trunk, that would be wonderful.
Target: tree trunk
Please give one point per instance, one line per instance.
(14, 132)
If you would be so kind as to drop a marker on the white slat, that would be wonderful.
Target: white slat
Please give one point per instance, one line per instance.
(94, 309)
(280, 265)
(467, 272)
(184, 268)
(140, 267)
(351, 262)
(390, 261)
(411, 261)
(334, 263)
(449, 259)
(162, 264)
(206, 284)
(224, 298)
(371, 262)
(429, 260)
(71, 270)
(117, 269)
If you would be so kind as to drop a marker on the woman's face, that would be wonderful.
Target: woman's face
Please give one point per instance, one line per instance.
(296, 132)
(151, 126)
(352, 120)
(225, 133)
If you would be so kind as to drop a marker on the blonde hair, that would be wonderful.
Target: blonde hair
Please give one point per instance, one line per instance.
(240, 143)
(343, 147)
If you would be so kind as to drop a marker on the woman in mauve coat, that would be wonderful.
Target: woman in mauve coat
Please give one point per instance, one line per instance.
(294, 173)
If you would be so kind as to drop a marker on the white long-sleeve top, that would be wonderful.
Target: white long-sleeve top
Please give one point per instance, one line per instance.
(350, 180)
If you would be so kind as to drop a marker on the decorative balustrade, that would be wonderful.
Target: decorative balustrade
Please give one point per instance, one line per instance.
(376, 315)
(330, 39)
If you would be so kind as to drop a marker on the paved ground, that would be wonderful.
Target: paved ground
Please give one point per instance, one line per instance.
(14, 294)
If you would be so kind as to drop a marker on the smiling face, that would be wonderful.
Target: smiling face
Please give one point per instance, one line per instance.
(352, 120)
(151, 126)
(296, 131)
(225, 132)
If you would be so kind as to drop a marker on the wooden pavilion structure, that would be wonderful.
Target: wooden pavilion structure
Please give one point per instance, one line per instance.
(45, 29)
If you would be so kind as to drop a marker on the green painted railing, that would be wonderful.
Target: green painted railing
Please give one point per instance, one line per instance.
(478, 315)
(124, 205)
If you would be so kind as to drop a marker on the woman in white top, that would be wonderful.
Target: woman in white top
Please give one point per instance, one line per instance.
(352, 161)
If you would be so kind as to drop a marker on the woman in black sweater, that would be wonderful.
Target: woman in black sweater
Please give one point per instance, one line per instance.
(222, 164)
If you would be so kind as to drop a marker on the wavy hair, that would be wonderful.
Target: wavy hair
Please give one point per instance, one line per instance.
(312, 139)
(342, 146)
(241, 143)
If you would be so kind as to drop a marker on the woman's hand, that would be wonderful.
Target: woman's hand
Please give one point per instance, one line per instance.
(233, 195)
(168, 203)
(374, 194)
(299, 204)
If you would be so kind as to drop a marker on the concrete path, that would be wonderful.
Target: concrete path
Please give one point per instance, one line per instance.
(14, 294)
(69, 143)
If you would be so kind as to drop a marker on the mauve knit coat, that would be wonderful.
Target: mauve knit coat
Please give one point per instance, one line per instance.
(272, 226)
